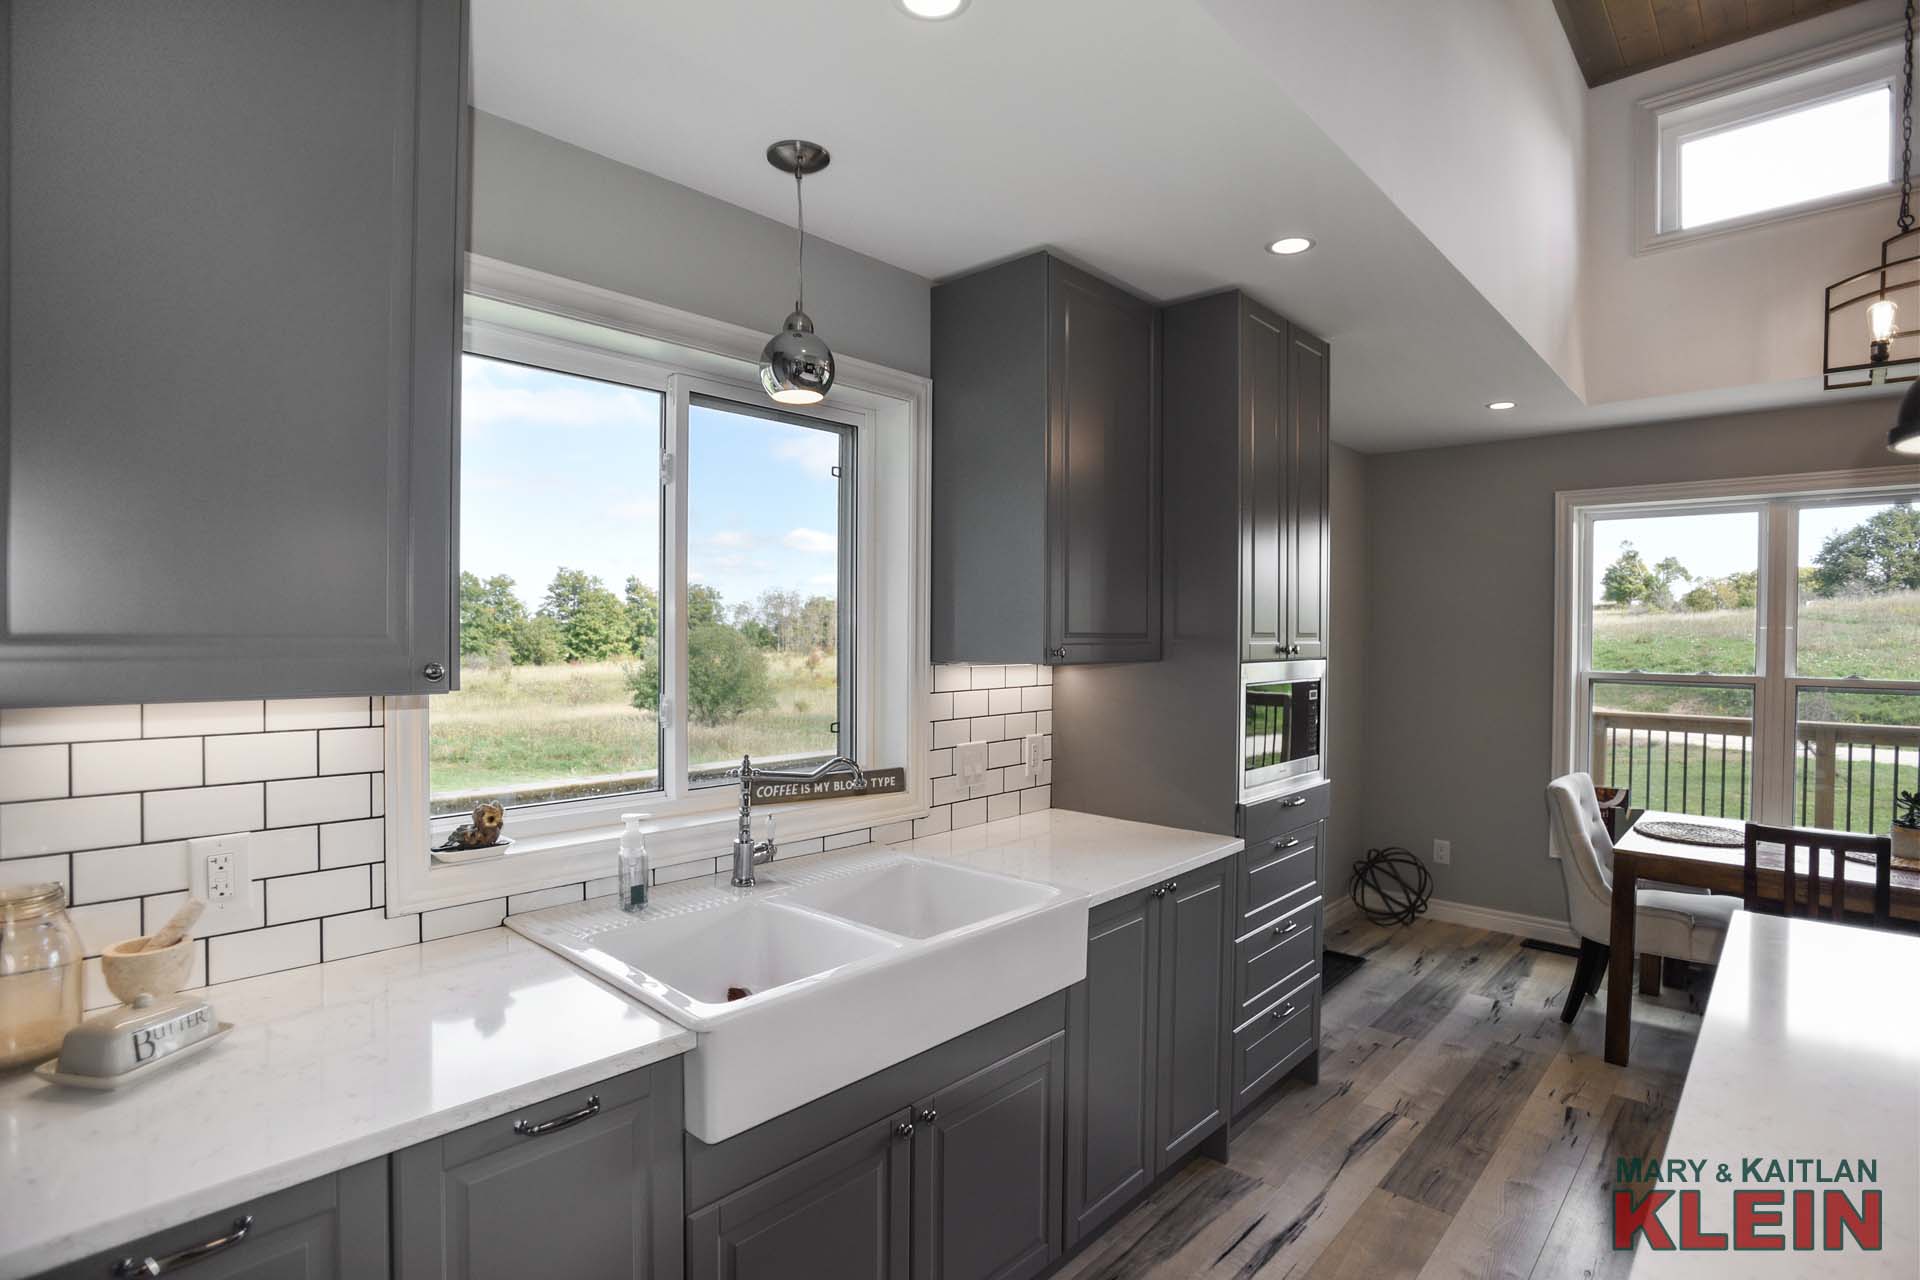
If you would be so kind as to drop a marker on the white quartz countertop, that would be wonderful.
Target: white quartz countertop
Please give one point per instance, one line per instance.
(1809, 1051)
(327, 1066)
(1106, 858)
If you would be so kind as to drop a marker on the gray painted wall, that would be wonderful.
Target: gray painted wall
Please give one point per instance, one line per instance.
(1459, 663)
(1347, 663)
(546, 204)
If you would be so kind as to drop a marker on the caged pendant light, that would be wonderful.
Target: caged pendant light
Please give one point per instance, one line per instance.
(796, 366)
(1864, 312)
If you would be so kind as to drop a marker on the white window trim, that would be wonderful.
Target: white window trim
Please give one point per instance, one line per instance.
(512, 307)
(1575, 512)
(1786, 84)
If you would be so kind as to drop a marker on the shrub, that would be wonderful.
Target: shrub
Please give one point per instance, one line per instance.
(726, 676)
(535, 642)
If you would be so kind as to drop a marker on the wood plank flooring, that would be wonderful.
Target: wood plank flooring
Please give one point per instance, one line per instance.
(1459, 1130)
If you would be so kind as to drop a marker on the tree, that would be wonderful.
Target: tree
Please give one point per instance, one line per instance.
(489, 612)
(643, 614)
(1881, 553)
(1702, 598)
(598, 627)
(726, 676)
(535, 642)
(566, 592)
(704, 605)
(1625, 580)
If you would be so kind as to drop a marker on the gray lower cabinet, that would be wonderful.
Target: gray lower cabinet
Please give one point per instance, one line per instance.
(843, 1213)
(231, 250)
(332, 1228)
(947, 1166)
(1148, 1039)
(586, 1186)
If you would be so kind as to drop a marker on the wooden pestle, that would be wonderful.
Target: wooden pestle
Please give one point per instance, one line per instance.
(175, 929)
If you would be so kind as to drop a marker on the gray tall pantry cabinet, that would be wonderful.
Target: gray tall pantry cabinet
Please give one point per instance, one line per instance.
(233, 241)
(1046, 468)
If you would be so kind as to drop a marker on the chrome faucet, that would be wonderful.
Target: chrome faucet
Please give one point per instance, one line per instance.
(749, 853)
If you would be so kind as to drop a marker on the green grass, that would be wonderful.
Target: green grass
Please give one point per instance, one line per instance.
(516, 726)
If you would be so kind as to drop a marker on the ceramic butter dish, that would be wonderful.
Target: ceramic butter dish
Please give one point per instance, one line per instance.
(135, 1035)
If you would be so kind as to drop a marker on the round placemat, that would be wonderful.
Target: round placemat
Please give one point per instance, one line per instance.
(1692, 833)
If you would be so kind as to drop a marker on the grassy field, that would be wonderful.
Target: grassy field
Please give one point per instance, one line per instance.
(522, 725)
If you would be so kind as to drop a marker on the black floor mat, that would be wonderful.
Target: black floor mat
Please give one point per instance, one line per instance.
(1336, 967)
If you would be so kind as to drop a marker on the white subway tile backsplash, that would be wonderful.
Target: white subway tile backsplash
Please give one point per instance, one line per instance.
(940, 706)
(139, 765)
(975, 703)
(33, 773)
(948, 789)
(302, 800)
(1038, 698)
(319, 713)
(848, 839)
(1043, 722)
(358, 933)
(1001, 701)
(377, 873)
(202, 811)
(56, 869)
(245, 955)
(988, 677)
(685, 871)
(343, 844)
(352, 750)
(557, 896)
(938, 822)
(952, 733)
(198, 719)
(447, 921)
(102, 874)
(257, 757)
(1003, 806)
(286, 852)
(1003, 753)
(102, 924)
(1021, 675)
(21, 726)
(940, 763)
(948, 678)
(969, 813)
(57, 826)
(893, 833)
(988, 728)
(1046, 675)
(317, 893)
(1018, 725)
(160, 908)
(377, 794)
(1034, 799)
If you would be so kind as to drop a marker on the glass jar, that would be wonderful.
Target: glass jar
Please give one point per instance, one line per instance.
(40, 977)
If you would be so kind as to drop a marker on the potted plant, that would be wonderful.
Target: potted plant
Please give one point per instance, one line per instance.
(1906, 828)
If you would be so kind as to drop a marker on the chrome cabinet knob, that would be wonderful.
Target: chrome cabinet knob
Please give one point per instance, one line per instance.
(1060, 652)
(929, 1115)
(904, 1129)
(434, 671)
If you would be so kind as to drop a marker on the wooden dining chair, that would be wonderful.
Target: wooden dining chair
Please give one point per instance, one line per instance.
(1816, 841)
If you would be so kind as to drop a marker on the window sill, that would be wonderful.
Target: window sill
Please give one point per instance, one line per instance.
(1661, 240)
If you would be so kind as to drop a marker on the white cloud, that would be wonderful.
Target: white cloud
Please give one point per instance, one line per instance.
(815, 451)
(734, 539)
(810, 540)
(491, 396)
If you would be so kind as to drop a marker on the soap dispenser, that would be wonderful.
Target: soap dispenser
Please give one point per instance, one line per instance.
(636, 868)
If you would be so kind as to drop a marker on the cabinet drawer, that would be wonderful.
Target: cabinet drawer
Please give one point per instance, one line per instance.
(1274, 871)
(1278, 950)
(1261, 822)
(1273, 1040)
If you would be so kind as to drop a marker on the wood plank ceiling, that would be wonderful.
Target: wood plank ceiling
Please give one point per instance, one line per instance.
(1615, 38)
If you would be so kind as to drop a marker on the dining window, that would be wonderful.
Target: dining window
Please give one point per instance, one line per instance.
(1746, 655)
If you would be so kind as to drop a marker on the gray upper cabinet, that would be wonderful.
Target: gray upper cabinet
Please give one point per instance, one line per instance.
(229, 367)
(587, 1186)
(1046, 468)
(332, 1228)
(1309, 455)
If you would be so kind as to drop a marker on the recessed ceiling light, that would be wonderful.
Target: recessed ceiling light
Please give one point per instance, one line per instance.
(932, 10)
(1499, 406)
(1289, 245)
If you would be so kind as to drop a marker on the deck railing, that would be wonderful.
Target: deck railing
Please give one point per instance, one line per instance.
(1845, 775)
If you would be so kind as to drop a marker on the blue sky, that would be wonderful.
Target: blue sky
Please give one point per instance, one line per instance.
(1713, 546)
(560, 470)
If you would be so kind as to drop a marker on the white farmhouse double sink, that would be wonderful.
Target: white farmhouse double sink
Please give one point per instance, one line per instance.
(849, 964)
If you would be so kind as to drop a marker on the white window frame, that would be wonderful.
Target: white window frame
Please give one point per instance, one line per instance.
(1778, 87)
(534, 318)
(1776, 685)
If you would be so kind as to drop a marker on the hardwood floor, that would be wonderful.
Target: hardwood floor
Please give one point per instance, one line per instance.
(1459, 1129)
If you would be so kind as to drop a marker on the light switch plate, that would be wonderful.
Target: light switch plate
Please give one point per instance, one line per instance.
(970, 763)
(220, 874)
(1032, 750)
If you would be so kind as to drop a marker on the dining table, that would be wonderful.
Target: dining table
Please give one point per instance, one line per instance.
(1638, 856)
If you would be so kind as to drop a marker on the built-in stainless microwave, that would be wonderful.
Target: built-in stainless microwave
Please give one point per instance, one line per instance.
(1279, 724)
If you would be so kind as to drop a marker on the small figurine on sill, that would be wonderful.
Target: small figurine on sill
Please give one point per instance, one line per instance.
(481, 833)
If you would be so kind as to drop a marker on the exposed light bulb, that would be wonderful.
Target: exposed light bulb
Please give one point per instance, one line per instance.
(1883, 320)
(1287, 246)
(1499, 406)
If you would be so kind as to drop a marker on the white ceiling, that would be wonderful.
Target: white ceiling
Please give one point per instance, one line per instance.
(1137, 138)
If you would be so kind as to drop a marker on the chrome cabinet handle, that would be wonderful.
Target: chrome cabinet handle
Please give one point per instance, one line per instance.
(1284, 1011)
(1173, 886)
(187, 1256)
(1294, 803)
(929, 1115)
(531, 1129)
(1287, 843)
(1160, 892)
(1288, 927)
(904, 1129)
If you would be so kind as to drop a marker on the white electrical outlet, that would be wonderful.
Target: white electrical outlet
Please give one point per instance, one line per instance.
(970, 763)
(220, 874)
(1032, 748)
(1443, 852)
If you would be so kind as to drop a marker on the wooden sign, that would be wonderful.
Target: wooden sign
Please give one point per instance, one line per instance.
(879, 782)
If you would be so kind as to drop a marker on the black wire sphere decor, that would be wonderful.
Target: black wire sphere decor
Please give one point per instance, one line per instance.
(1391, 886)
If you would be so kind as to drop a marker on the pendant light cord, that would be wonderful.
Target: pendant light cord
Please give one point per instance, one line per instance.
(1906, 132)
(800, 206)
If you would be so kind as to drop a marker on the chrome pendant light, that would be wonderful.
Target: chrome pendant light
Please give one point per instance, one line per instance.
(796, 367)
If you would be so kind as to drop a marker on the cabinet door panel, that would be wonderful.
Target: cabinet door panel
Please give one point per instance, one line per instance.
(1103, 444)
(843, 1213)
(1308, 456)
(1263, 484)
(228, 388)
(987, 1154)
(1194, 997)
(1112, 1025)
